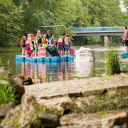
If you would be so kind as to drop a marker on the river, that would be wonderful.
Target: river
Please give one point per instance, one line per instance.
(49, 72)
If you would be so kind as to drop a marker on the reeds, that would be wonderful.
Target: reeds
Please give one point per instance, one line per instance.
(6, 94)
(112, 62)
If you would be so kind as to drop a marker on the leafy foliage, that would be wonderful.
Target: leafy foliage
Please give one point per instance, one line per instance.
(19, 17)
(112, 62)
(6, 94)
(10, 23)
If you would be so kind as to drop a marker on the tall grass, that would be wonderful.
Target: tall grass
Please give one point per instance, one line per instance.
(112, 62)
(6, 94)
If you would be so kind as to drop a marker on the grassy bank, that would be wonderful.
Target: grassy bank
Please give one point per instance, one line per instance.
(6, 94)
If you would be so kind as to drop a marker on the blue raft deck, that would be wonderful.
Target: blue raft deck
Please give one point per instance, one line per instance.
(44, 59)
(124, 55)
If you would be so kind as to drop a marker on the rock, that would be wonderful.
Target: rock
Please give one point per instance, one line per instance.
(27, 79)
(30, 114)
(5, 108)
(19, 91)
(26, 83)
(94, 92)
(84, 62)
(115, 120)
(4, 75)
(84, 54)
(116, 126)
(22, 115)
(16, 85)
(125, 125)
(36, 81)
(16, 80)
(20, 80)
(30, 110)
(10, 120)
(57, 105)
(50, 120)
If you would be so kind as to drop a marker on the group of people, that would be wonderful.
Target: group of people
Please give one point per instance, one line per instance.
(63, 44)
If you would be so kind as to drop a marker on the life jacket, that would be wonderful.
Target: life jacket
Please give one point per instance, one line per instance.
(36, 43)
(51, 41)
(45, 41)
(66, 40)
(60, 41)
(22, 41)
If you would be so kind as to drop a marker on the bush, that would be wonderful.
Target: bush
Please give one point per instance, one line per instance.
(112, 62)
(6, 94)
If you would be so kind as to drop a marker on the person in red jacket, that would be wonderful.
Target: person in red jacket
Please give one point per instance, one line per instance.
(45, 41)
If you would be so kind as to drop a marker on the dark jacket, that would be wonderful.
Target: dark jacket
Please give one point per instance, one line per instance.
(48, 36)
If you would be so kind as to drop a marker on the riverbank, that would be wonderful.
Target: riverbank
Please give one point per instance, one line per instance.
(73, 104)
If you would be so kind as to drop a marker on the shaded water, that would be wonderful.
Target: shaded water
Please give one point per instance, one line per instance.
(48, 72)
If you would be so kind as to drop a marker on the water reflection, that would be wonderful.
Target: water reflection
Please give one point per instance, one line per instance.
(46, 72)
(49, 72)
(84, 68)
(52, 71)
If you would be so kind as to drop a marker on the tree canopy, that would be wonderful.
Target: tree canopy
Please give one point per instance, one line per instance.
(19, 17)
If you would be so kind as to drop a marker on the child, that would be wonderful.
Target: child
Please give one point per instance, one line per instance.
(23, 44)
(36, 46)
(45, 41)
(33, 41)
(60, 45)
(31, 45)
(39, 38)
(67, 45)
(55, 42)
(51, 40)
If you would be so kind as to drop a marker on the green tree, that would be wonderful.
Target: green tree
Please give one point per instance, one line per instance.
(19, 17)
(10, 23)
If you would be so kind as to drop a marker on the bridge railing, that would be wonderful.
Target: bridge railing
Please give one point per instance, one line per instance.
(97, 29)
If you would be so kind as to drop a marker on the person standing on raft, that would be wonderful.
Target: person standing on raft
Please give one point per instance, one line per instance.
(51, 40)
(45, 41)
(23, 44)
(48, 35)
(125, 38)
(67, 45)
(60, 45)
(36, 46)
(39, 38)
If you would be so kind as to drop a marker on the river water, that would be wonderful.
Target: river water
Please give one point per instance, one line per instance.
(49, 72)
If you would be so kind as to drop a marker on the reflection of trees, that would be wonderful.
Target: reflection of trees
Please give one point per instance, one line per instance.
(0, 61)
(7, 58)
(99, 68)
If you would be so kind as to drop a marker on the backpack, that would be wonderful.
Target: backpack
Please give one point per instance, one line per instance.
(22, 41)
